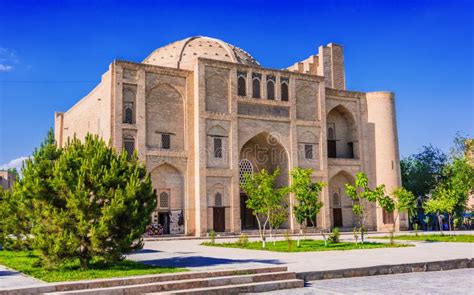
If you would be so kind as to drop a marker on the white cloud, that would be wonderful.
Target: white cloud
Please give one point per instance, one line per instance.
(7, 58)
(5, 68)
(15, 163)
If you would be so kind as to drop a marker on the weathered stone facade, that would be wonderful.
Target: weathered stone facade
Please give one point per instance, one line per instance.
(199, 111)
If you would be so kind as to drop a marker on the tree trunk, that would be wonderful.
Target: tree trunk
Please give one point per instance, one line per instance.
(84, 262)
(299, 238)
(440, 223)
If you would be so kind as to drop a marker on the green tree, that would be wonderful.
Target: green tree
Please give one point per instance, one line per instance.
(307, 193)
(442, 202)
(402, 201)
(422, 171)
(87, 200)
(361, 194)
(277, 217)
(263, 197)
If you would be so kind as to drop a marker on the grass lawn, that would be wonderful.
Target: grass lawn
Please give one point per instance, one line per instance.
(27, 262)
(434, 238)
(306, 246)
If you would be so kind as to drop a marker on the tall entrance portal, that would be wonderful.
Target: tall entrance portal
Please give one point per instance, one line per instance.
(263, 151)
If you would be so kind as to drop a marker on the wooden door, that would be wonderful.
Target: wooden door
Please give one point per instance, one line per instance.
(219, 219)
(337, 217)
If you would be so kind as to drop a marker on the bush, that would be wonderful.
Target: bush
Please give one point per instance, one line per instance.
(334, 237)
(243, 240)
(212, 236)
(86, 201)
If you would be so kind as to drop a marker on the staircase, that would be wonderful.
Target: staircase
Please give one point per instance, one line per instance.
(249, 280)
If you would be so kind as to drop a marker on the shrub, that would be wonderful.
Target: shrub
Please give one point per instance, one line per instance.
(87, 201)
(212, 236)
(334, 237)
(243, 240)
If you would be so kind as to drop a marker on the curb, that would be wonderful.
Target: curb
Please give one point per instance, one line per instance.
(386, 269)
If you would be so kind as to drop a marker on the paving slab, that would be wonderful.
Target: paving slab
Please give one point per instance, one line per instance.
(11, 279)
(190, 254)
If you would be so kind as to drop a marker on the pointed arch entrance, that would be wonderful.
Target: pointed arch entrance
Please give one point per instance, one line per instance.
(340, 204)
(263, 151)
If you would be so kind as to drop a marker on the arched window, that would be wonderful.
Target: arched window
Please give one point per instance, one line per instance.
(164, 200)
(129, 145)
(256, 88)
(336, 200)
(270, 90)
(245, 167)
(218, 200)
(241, 86)
(284, 92)
(128, 116)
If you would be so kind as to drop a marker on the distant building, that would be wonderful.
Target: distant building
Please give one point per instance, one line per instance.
(7, 179)
(201, 112)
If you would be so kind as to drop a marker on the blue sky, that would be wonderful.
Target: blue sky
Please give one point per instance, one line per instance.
(53, 52)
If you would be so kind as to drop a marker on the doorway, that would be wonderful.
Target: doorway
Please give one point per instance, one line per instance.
(219, 219)
(337, 217)
(248, 219)
(164, 221)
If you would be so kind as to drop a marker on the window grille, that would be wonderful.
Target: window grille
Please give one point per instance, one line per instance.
(245, 167)
(129, 145)
(284, 92)
(241, 87)
(270, 90)
(336, 200)
(128, 113)
(164, 200)
(218, 200)
(165, 141)
(256, 88)
(308, 151)
(217, 147)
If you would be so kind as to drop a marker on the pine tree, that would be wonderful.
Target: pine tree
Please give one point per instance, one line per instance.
(87, 200)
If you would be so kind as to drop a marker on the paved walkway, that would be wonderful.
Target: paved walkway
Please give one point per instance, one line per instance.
(10, 278)
(459, 281)
(190, 254)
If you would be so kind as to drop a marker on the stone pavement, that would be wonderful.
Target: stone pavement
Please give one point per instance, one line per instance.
(10, 278)
(459, 281)
(189, 254)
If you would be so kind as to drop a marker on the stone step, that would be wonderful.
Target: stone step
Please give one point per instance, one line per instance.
(135, 280)
(241, 288)
(185, 284)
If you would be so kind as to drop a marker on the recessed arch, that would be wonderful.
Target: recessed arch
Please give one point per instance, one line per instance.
(339, 203)
(342, 133)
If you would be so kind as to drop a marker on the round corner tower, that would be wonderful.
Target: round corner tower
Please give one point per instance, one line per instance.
(382, 117)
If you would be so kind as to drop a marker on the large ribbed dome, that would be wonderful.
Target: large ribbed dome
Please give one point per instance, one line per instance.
(184, 53)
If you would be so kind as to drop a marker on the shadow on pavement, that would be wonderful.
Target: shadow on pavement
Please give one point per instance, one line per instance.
(199, 261)
(8, 273)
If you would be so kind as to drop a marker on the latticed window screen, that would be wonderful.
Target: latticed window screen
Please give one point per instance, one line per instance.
(270, 90)
(164, 200)
(256, 88)
(165, 141)
(128, 113)
(308, 151)
(241, 87)
(217, 147)
(245, 166)
(336, 200)
(284, 92)
(218, 200)
(129, 145)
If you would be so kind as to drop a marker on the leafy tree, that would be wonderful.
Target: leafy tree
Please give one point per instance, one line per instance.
(277, 217)
(361, 194)
(403, 201)
(307, 200)
(422, 171)
(443, 202)
(263, 197)
(86, 200)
